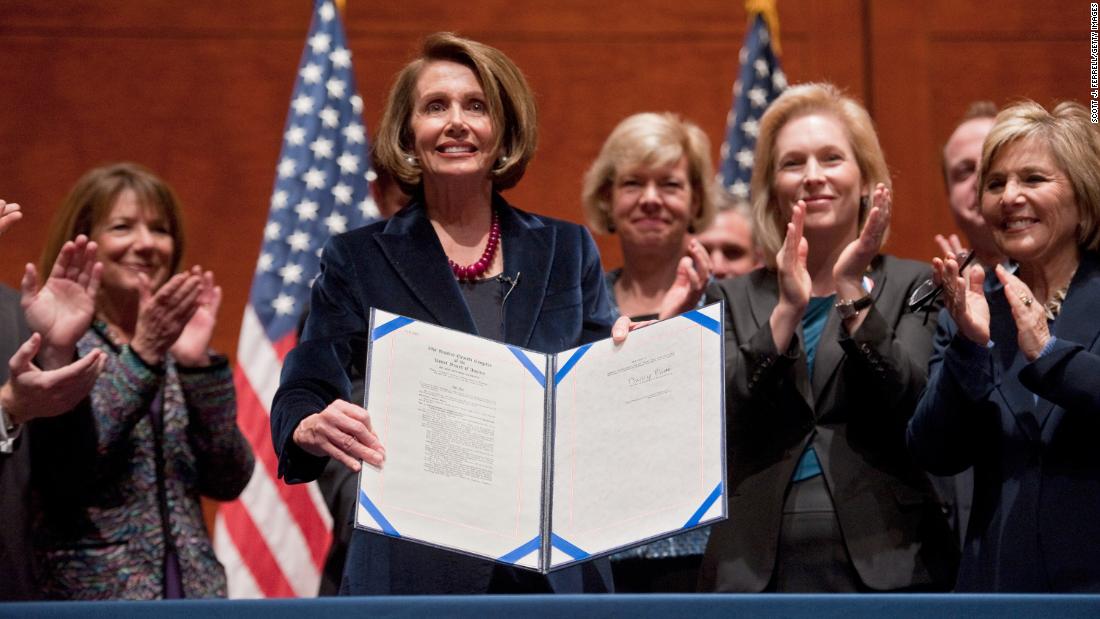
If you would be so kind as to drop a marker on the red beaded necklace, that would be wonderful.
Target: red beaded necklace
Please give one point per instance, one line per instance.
(473, 271)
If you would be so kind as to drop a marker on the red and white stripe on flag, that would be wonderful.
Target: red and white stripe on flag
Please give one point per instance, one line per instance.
(273, 539)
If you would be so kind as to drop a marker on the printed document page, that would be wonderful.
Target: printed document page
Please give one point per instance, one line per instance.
(461, 418)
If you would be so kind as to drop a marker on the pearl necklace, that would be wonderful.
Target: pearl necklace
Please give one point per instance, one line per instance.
(473, 271)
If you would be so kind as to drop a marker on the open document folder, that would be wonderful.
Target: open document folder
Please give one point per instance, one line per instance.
(542, 461)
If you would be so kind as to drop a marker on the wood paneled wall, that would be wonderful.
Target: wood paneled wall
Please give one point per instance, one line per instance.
(198, 91)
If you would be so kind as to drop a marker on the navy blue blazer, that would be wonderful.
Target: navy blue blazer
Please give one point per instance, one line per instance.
(399, 266)
(1031, 431)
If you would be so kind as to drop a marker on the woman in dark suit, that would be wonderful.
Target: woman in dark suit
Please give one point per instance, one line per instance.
(458, 128)
(1014, 391)
(825, 364)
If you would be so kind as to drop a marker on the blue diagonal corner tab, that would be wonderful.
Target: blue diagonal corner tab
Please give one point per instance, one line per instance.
(697, 517)
(527, 363)
(704, 321)
(376, 513)
(521, 551)
(559, 542)
(385, 329)
(569, 363)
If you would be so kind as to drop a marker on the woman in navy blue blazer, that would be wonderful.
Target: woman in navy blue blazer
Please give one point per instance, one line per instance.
(1015, 391)
(459, 127)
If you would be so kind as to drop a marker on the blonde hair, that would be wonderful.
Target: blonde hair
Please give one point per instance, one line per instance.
(508, 97)
(649, 139)
(769, 219)
(1075, 144)
(90, 202)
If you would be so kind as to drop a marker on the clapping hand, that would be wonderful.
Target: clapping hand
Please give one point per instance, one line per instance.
(795, 284)
(63, 308)
(692, 275)
(191, 348)
(163, 315)
(964, 297)
(1032, 331)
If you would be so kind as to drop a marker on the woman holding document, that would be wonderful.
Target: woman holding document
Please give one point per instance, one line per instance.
(825, 362)
(459, 127)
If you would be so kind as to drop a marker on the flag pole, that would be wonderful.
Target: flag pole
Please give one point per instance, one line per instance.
(765, 8)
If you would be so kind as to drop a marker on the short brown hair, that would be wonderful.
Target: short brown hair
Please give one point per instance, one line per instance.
(1073, 140)
(769, 221)
(90, 201)
(509, 98)
(650, 139)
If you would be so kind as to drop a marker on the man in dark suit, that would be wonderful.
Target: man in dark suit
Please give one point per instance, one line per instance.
(30, 391)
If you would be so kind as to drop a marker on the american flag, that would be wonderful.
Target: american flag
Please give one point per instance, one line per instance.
(760, 82)
(273, 539)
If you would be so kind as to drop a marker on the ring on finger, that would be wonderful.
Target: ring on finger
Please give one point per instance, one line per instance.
(1026, 300)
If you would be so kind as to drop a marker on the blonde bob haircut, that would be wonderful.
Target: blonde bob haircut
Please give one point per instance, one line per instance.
(507, 95)
(653, 140)
(1073, 141)
(90, 201)
(769, 218)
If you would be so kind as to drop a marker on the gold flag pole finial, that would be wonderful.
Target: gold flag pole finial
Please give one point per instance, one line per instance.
(768, 10)
(340, 6)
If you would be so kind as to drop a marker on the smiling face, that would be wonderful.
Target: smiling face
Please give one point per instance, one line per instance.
(1028, 203)
(452, 130)
(815, 163)
(133, 239)
(652, 205)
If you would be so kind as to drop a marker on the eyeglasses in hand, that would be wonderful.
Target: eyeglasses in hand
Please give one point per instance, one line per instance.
(925, 294)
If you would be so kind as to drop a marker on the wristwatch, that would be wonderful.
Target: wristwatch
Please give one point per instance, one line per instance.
(848, 307)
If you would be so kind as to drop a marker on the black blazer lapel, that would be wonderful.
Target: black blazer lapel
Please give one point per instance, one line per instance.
(410, 244)
(528, 259)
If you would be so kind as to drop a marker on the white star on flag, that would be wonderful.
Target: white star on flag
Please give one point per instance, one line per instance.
(751, 127)
(302, 105)
(314, 179)
(761, 67)
(744, 158)
(340, 57)
(349, 163)
(287, 167)
(283, 304)
(307, 210)
(311, 73)
(337, 223)
(295, 136)
(779, 79)
(740, 190)
(335, 88)
(272, 230)
(329, 117)
(278, 199)
(299, 241)
(356, 104)
(326, 11)
(264, 263)
(342, 193)
(291, 274)
(758, 97)
(320, 42)
(322, 148)
(354, 133)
